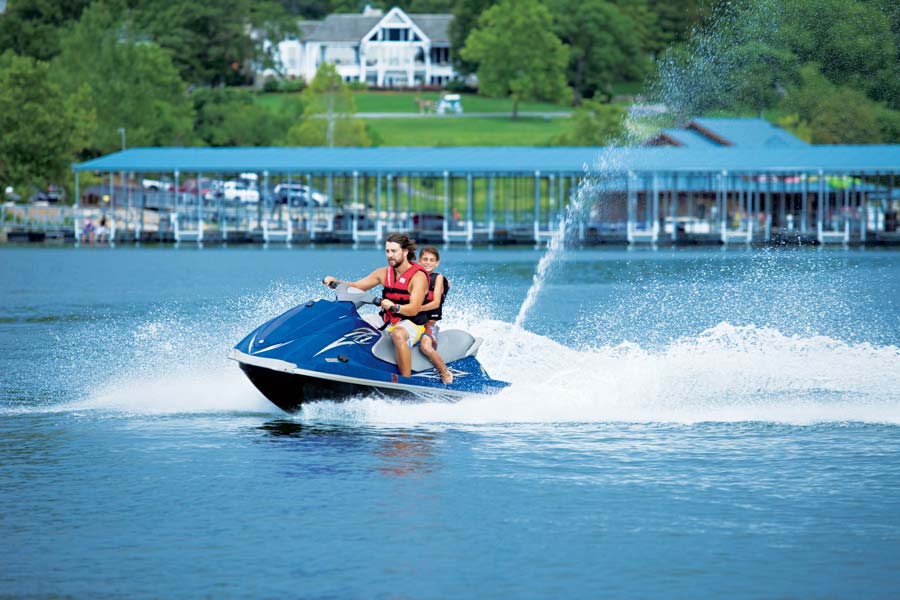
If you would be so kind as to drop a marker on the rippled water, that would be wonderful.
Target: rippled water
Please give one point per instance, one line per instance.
(680, 424)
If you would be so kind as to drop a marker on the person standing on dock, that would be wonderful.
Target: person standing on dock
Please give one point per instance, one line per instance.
(405, 286)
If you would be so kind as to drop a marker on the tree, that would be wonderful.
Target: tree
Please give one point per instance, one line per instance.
(604, 45)
(593, 124)
(833, 114)
(328, 118)
(133, 84)
(517, 54)
(678, 18)
(760, 76)
(42, 126)
(465, 18)
(230, 117)
(210, 40)
(31, 27)
(852, 41)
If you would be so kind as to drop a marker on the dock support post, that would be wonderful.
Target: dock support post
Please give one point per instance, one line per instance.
(354, 227)
(655, 209)
(768, 208)
(673, 205)
(391, 212)
(199, 209)
(310, 207)
(863, 211)
(75, 216)
(490, 204)
(469, 208)
(445, 231)
(804, 207)
(820, 206)
(378, 222)
(537, 207)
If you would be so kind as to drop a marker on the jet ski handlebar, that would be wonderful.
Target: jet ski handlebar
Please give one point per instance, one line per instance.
(358, 297)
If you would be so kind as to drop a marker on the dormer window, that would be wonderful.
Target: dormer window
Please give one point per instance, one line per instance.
(394, 34)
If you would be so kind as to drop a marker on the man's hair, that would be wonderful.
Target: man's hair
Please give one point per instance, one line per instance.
(405, 243)
(429, 250)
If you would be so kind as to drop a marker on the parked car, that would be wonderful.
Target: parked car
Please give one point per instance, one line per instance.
(427, 221)
(207, 188)
(156, 185)
(298, 194)
(51, 195)
(238, 190)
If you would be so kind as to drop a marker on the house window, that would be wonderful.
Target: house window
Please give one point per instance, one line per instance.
(394, 34)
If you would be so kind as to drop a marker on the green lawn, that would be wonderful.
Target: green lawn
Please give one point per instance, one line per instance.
(466, 131)
(403, 102)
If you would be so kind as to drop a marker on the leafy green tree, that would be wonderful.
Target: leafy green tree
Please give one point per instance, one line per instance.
(133, 84)
(760, 75)
(593, 124)
(210, 40)
(308, 9)
(31, 27)
(677, 18)
(230, 117)
(604, 45)
(42, 126)
(852, 41)
(833, 114)
(465, 18)
(328, 119)
(507, 66)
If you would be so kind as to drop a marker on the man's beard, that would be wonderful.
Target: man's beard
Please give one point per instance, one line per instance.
(394, 262)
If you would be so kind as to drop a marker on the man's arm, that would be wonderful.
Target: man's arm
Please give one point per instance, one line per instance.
(373, 279)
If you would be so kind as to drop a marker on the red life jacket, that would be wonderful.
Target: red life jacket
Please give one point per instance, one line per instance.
(435, 314)
(396, 289)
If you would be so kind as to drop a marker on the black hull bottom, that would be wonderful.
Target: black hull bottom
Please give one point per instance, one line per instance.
(289, 391)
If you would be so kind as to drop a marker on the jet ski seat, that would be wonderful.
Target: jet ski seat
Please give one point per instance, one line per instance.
(454, 345)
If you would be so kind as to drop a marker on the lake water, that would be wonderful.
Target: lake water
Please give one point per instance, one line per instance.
(681, 424)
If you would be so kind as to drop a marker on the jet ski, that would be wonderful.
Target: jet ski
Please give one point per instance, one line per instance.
(327, 350)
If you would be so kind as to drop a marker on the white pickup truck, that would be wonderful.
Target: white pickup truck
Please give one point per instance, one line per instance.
(163, 184)
(238, 190)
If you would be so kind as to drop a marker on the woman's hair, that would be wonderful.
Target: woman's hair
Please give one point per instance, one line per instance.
(429, 250)
(405, 243)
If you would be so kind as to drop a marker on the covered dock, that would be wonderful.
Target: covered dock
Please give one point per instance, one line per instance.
(649, 194)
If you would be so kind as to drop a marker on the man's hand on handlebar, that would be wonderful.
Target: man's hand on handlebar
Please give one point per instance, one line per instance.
(330, 282)
(390, 307)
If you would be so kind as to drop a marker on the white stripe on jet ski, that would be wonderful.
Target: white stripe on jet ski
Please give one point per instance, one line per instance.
(285, 367)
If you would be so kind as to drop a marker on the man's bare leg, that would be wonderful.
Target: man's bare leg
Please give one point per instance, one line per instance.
(404, 356)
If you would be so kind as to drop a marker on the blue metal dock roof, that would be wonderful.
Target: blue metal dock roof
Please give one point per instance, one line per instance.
(748, 132)
(457, 161)
(689, 138)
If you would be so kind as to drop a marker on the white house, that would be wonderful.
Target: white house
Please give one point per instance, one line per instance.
(385, 50)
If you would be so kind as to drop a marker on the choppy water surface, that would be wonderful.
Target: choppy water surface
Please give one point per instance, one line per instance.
(680, 424)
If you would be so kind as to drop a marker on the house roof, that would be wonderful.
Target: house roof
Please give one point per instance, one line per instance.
(744, 132)
(307, 28)
(436, 27)
(343, 28)
(681, 137)
(832, 160)
(352, 28)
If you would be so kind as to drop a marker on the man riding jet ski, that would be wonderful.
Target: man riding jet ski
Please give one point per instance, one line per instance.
(326, 350)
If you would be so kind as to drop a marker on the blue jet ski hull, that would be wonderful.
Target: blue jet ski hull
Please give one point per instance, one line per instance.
(324, 350)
